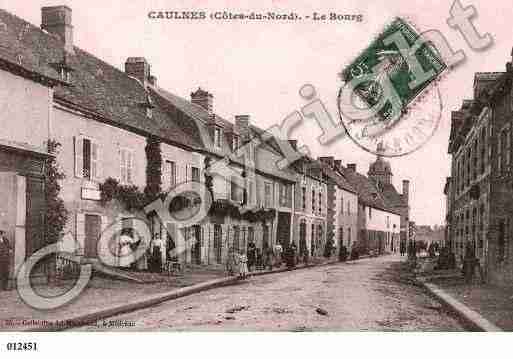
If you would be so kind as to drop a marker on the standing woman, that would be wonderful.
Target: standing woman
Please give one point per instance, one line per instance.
(5, 254)
(243, 265)
(157, 245)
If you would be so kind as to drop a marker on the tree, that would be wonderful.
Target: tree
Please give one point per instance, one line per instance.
(56, 214)
(153, 168)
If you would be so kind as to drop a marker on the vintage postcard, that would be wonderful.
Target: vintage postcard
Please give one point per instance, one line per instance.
(192, 166)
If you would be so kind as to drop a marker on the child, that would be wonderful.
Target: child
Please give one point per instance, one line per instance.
(243, 265)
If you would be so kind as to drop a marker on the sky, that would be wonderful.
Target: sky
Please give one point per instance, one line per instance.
(258, 68)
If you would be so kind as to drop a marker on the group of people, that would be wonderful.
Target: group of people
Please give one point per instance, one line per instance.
(253, 258)
(151, 259)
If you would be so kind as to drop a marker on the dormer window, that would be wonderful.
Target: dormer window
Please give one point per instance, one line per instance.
(217, 137)
(65, 74)
(148, 106)
(63, 68)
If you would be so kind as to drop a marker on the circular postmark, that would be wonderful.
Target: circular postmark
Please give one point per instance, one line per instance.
(390, 95)
(413, 128)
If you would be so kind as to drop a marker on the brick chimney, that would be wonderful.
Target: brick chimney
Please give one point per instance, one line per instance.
(57, 20)
(242, 123)
(139, 68)
(204, 99)
(337, 164)
(351, 166)
(328, 160)
(406, 190)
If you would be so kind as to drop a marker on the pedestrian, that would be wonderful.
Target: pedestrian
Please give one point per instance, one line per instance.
(269, 257)
(294, 252)
(243, 265)
(251, 256)
(289, 257)
(231, 261)
(259, 259)
(278, 253)
(156, 254)
(342, 255)
(5, 254)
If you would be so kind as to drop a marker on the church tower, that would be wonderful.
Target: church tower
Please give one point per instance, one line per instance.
(380, 170)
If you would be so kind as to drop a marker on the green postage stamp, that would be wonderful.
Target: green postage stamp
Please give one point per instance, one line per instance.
(396, 67)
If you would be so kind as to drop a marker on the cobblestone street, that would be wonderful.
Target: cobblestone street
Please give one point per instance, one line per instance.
(369, 294)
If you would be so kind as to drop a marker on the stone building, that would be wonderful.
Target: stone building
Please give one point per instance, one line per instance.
(342, 214)
(26, 93)
(480, 192)
(380, 172)
(106, 119)
(378, 223)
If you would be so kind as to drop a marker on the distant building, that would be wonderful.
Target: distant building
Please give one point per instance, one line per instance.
(381, 172)
(378, 223)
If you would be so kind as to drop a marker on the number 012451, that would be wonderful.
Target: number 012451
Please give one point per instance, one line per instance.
(22, 346)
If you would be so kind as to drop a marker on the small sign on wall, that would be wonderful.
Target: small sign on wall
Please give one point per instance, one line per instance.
(91, 194)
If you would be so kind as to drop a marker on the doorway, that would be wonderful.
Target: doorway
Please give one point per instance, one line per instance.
(92, 231)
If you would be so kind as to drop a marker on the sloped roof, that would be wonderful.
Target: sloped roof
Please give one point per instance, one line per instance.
(336, 177)
(195, 121)
(96, 86)
(367, 191)
(110, 95)
(391, 196)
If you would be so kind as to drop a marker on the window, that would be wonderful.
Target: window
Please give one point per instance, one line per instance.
(65, 74)
(505, 144)
(500, 145)
(483, 150)
(370, 212)
(268, 197)
(469, 162)
(170, 173)
(474, 161)
(349, 236)
(237, 191)
(218, 242)
(320, 202)
(303, 198)
(341, 204)
(236, 238)
(388, 222)
(285, 195)
(217, 137)
(348, 207)
(195, 174)
(248, 191)
(313, 200)
(127, 166)
(87, 158)
(501, 241)
(235, 142)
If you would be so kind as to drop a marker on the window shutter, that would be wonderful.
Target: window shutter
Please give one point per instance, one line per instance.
(95, 160)
(79, 156)
(122, 166)
(80, 231)
(132, 166)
